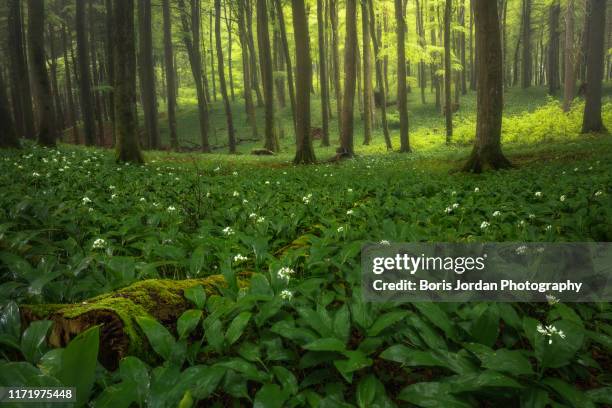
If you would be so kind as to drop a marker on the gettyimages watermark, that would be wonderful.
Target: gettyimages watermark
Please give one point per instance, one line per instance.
(502, 272)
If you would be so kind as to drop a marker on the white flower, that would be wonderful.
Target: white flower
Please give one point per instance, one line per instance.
(245, 201)
(239, 258)
(552, 300)
(217, 169)
(538, 194)
(350, 212)
(454, 193)
(521, 250)
(285, 273)
(562, 198)
(476, 190)
(576, 169)
(111, 187)
(484, 225)
(99, 244)
(448, 210)
(597, 194)
(260, 219)
(286, 295)
(531, 216)
(550, 331)
(156, 205)
(496, 214)
(235, 173)
(350, 190)
(253, 216)
(228, 231)
(208, 194)
(340, 229)
(306, 199)
(142, 199)
(548, 227)
(267, 182)
(113, 196)
(171, 209)
(384, 242)
(86, 200)
(35, 174)
(236, 194)
(521, 223)
(455, 206)
(90, 209)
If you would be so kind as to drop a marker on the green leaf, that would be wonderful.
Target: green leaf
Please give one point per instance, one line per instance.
(569, 393)
(385, 321)
(269, 396)
(534, 398)
(10, 321)
(188, 322)
(79, 361)
(326, 344)
(342, 323)
(208, 381)
(366, 391)
(33, 338)
(486, 328)
(432, 395)
(356, 361)
(286, 379)
(196, 263)
(196, 295)
(135, 373)
(236, 327)
(214, 334)
(159, 337)
(509, 361)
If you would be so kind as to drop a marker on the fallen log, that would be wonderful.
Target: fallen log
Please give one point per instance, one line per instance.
(116, 313)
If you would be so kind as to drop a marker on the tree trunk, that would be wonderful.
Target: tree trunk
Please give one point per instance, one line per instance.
(553, 48)
(323, 74)
(570, 58)
(126, 122)
(367, 75)
(592, 121)
(421, 42)
(230, 69)
(304, 151)
(333, 16)
(283, 33)
(221, 70)
(110, 61)
(60, 120)
(40, 78)
(192, 44)
(148, 91)
(267, 78)
(212, 59)
(462, 49)
(526, 40)
(98, 111)
(72, 115)
(253, 53)
(487, 151)
(22, 103)
(448, 109)
(8, 134)
(84, 79)
(402, 100)
(170, 75)
(246, 69)
(350, 77)
(116, 313)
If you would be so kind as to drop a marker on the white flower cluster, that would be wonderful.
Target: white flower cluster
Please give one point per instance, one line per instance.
(228, 231)
(99, 244)
(550, 331)
(286, 294)
(521, 250)
(285, 273)
(240, 258)
(538, 194)
(306, 199)
(484, 225)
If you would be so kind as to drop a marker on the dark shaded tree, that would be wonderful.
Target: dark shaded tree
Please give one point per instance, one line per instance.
(487, 152)
(448, 109)
(323, 79)
(147, 73)
(526, 40)
(367, 75)
(222, 84)
(553, 47)
(402, 98)
(8, 134)
(267, 79)
(333, 16)
(84, 78)
(288, 64)
(170, 74)
(246, 69)
(350, 80)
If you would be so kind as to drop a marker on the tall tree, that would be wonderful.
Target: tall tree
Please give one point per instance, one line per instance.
(230, 70)
(72, 114)
(526, 40)
(253, 53)
(285, 42)
(487, 152)
(553, 47)
(84, 78)
(110, 62)
(221, 70)
(40, 78)
(267, 79)
(402, 98)
(126, 122)
(18, 64)
(323, 74)
(570, 57)
(367, 75)
(448, 109)
(592, 121)
(350, 79)
(147, 72)
(246, 69)
(170, 74)
(192, 44)
(8, 134)
(304, 151)
(333, 16)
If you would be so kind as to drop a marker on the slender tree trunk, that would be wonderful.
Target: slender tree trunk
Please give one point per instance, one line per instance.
(570, 57)
(60, 120)
(212, 59)
(72, 115)
(110, 61)
(592, 121)
(435, 79)
(148, 90)
(402, 100)
(40, 78)
(487, 151)
(283, 33)
(553, 48)
(367, 75)
(421, 42)
(221, 69)
(333, 15)
(322, 74)
(247, 74)
(22, 103)
(462, 49)
(192, 43)
(350, 72)
(170, 78)
(448, 109)
(304, 151)
(98, 111)
(8, 134)
(230, 69)
(279, 61)
(526, 39)
(267, 78)
(253, 53)
(84, 79)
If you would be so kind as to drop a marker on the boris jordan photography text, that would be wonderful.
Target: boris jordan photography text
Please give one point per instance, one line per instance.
(493, 271)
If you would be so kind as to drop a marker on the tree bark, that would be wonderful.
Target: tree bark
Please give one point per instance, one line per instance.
(72, 115)
(253, 53)
(110, 61)
(97, 98)
(350, 77)
(267, 78)
(230, 69)
(487, 152)
(304, 151)
(367, 75)
(170, 75)
(553, 48)
(570, 56)
(8, 134)
(448, 109)
(84, 79)
(126, 122)
(323, 80)
(402, 99)
(333, 16)
(147, 69)
(592, 121)
(246, 69)
(221, 70)
(40, 78)
(288, 64)
(526, 40)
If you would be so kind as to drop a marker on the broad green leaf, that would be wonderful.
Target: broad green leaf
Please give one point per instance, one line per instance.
(569, 393)
(366, 391)
(159, 337)
(432, 395)
(196, 295)
(269, 396)
(236, 327)
(188, 322)
(33, 338)
(286, 379)
(10, 321)
(208, 381)
(326, 344)
(385, 321)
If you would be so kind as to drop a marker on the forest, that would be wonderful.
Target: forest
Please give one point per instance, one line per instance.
(187, 188)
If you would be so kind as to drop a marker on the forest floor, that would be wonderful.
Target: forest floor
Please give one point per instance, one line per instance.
(74, 224)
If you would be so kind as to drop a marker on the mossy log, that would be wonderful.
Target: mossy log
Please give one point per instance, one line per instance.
(116, 312)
